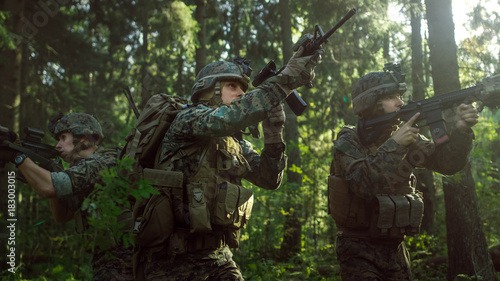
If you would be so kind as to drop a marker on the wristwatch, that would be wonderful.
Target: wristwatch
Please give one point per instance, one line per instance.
(19, 159)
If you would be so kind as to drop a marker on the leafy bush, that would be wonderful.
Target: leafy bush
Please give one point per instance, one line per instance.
(108, 201)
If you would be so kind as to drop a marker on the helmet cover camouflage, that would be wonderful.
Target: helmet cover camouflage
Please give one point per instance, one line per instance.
(216, 72)
(78, 124)
(370, 87)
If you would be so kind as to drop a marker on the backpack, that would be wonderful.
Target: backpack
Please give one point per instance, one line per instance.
(152, 124)
(152, 222)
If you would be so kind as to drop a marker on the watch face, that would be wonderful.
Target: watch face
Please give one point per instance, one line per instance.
(19, 158)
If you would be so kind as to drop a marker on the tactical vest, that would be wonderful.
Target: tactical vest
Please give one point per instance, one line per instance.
(393, 213)
(215, 195)
(205, 210)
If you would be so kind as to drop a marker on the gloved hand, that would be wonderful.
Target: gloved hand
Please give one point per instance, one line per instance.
(300, 70)
(6, 153)
(273, 125)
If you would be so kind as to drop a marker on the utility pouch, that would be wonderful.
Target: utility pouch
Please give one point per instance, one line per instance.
(402, 216)
(416, 212)
(199, 215)
(229, 158)
(156, 221)
(156, 224)
(385, 216)
(346, 209)
(234, 205)
(397, 216)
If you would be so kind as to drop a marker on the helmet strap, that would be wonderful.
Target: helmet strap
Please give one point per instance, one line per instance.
(216, 100)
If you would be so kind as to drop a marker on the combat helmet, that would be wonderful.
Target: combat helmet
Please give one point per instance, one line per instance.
(368, 90)
(77, 124)
(211, 75)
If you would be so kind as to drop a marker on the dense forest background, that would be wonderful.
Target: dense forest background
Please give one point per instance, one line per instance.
(77, 56)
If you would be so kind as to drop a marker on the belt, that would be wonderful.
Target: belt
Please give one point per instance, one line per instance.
(209, 241)
(364, 234)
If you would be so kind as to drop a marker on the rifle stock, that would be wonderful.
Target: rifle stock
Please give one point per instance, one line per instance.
(431, 110)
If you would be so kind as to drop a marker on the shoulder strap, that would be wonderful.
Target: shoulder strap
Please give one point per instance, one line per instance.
(183, 152)
(347, 129)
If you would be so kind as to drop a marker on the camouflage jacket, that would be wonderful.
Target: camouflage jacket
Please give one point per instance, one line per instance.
(369, 170)
(76, 182)
(196, 126)
(72, 186)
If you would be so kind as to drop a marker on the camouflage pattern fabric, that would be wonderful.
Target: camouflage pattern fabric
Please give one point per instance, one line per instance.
(381, 169)
(214, 72)
(198, 124)
(393, 164)
(77, 124)
(363, 260)
(83, 175)
(208, 266)
(370, 87)
(197, 127)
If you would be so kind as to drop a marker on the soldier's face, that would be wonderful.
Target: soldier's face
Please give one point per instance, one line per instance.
(392, 103)
(231, 91)
(65, 144)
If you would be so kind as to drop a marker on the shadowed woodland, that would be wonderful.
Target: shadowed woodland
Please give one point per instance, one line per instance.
(78, 56)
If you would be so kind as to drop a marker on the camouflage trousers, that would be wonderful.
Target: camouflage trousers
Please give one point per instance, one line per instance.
(210, 266)
(362, 259)
(116, 265)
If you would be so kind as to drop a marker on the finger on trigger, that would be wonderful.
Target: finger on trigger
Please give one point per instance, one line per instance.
(413, 119)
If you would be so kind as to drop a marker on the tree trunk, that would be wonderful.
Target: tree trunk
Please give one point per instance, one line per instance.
(10, 87)
(467, 247)
(235, 38)
(417, 51)
(145, 75)
(201, 52)
(292, 228)
(10, 67)
(425, 180)
(387, 39)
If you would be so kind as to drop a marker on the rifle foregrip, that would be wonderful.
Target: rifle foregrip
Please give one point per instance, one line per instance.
(268, 71)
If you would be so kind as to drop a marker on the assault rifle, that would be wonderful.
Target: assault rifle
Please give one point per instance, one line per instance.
(431, 111)
(294, 100)
(44, 155)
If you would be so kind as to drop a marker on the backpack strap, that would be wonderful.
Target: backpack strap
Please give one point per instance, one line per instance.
(183, 152)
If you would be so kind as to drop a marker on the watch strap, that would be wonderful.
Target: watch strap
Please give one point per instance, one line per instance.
(19, 158)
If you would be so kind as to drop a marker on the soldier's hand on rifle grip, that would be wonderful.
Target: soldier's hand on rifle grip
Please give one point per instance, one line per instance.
(7, 153)
(273, 125)
(303, 41)
(466, 116)
(299, 70)
(407, 134)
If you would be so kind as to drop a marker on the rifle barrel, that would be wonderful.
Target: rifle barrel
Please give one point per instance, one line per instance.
(346, 17)
(131, 102)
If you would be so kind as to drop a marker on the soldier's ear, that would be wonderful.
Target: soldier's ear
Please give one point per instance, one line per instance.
(83, 139)
(90, 140)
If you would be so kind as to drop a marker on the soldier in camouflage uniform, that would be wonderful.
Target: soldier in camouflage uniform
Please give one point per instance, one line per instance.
(204, 143)
(78, 136)
(372, 188)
